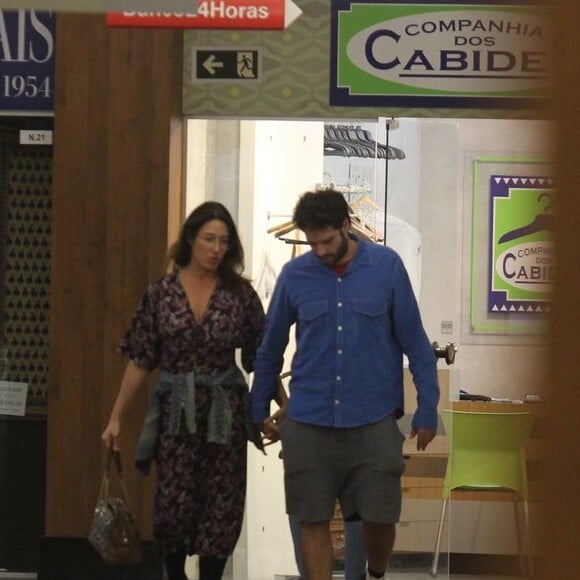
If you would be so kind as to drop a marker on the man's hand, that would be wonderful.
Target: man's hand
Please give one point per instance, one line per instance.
(270, 426)
(424, 437)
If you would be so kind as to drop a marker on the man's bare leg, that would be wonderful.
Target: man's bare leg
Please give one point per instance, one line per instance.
(316, 546)
(379, 541)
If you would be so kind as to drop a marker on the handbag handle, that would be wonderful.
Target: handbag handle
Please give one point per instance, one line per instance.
(115, 458)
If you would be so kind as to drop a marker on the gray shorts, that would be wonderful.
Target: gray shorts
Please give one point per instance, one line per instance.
(359, 466)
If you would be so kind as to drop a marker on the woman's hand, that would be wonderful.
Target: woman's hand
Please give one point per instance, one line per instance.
(112, 434)
(133, 380)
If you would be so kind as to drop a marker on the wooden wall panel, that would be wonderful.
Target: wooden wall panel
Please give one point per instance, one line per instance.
(117, 201)
(557, 549)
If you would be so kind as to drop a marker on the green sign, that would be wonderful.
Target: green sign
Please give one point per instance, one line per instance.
(454, 54)
(522, 266)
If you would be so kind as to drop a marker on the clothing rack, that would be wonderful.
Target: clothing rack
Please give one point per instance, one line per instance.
(354, 141)
(289, 233)
(349, 191)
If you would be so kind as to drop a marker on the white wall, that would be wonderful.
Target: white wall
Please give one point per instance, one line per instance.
(493, 369)
(280, 161)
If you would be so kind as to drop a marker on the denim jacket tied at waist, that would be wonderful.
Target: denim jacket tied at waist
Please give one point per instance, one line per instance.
(181, 388)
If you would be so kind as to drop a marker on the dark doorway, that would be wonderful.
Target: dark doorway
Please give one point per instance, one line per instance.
(25, 229)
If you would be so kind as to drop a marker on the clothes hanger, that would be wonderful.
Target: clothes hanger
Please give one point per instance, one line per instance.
(365, 200)
(333, 144)
(285, 230)
(349, 141)
(377, 149)
(278, 227)
(366, 149)
(542, 221)
(383, 151)
(361, 208)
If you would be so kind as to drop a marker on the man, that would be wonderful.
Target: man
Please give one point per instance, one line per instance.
(356, 315)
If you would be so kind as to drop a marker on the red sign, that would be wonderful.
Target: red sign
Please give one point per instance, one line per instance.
(217, 14)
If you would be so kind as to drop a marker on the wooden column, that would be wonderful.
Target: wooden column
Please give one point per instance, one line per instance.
(117, 201)
(557, 551)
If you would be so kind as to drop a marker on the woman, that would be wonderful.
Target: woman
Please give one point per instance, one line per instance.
(188, 325)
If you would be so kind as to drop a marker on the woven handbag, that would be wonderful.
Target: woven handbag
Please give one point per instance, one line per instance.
(114, 533)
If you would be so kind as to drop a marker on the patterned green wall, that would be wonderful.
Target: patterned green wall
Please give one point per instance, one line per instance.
(295, 77)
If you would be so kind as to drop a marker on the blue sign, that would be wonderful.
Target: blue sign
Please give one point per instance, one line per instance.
(27, 40)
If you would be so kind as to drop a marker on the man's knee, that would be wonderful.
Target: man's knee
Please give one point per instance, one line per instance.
(378, 527)
(315, 527)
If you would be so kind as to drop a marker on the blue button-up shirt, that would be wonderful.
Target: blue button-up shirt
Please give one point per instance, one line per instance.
(351, 333)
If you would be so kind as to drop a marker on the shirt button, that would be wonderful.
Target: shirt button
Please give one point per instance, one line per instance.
(339, 378)
(340, 329)
(336, 402)
(339, 304)
(340, 279)
(339, 351)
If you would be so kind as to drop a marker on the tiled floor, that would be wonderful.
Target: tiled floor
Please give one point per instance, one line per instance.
(441, 576)
(422, 576)
(419, 575)
(425, 575)
(396, 576)
(392, 576)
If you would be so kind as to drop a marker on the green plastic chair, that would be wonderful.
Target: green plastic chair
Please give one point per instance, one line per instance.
(486, 453)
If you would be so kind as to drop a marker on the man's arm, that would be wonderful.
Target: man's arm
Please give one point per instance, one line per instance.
(422, 362)
(270, 355)
(270, 425)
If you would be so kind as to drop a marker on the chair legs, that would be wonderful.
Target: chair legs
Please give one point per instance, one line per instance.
(527, 549)
(435, 563)
(518, 523)
(528, 541)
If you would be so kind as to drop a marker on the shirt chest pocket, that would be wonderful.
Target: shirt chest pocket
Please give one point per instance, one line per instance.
(370, 307)
(313, 316)
(370, 318)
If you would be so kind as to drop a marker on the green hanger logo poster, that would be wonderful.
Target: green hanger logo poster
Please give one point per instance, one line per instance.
(521, 266)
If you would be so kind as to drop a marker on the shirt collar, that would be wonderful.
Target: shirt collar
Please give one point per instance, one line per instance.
(362, 257)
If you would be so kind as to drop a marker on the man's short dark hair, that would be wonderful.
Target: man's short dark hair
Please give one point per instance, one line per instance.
(321, 209)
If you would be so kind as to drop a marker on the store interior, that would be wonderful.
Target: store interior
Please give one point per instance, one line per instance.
(412, 184)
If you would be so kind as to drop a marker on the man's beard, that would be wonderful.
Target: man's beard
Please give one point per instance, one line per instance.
(334, 259)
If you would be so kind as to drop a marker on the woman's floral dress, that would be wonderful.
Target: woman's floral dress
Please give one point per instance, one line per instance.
(201, 486)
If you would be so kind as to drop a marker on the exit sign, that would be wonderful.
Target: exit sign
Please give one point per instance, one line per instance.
(233, 65)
